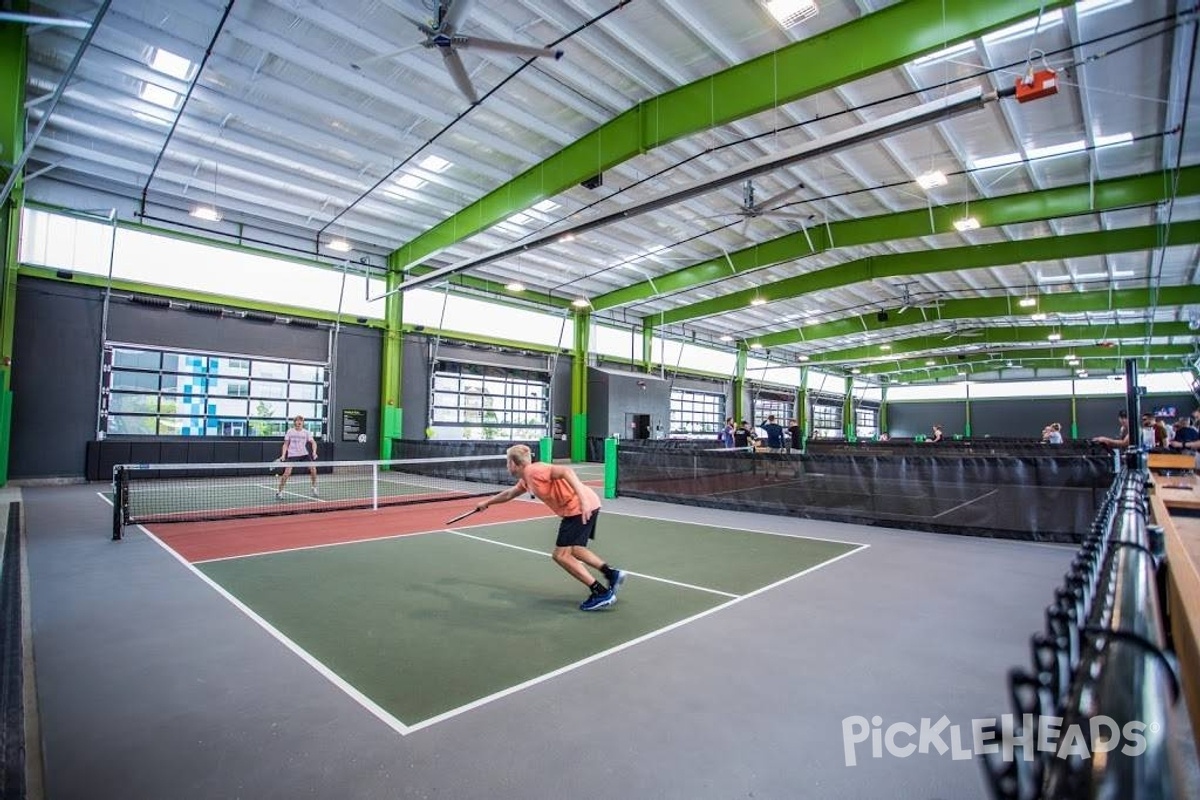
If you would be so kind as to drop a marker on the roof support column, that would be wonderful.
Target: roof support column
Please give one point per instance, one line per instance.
(739, 385)
(12, 143)
(579, 387)
(391, 426)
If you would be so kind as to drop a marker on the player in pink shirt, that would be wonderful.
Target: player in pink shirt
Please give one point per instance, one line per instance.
(578, 506)
(297, 444)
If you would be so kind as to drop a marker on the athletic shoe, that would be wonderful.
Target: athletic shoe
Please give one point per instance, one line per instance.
(598, 601)
(279, 495)
(315, 492)
(614, 583)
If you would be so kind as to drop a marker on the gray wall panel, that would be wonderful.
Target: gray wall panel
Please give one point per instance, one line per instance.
(56, 372)
(1022, 418)
(189, 330)
(626, 393)
(55, 378)
(906, 420)
(356, 385)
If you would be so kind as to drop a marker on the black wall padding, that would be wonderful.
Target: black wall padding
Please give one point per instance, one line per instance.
(12, 709)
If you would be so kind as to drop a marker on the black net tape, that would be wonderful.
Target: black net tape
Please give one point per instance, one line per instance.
(1042, 498)
(433, 448)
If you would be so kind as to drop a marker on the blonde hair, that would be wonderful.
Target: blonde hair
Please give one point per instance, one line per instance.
(519, 454)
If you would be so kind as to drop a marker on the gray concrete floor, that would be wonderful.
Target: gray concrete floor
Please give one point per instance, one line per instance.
(152, 685)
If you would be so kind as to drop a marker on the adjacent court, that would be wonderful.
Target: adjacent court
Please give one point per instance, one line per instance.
(422, 625)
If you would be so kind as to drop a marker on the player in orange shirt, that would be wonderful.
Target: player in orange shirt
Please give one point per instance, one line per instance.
(578, 506)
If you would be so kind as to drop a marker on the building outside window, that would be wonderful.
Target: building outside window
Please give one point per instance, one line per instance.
(149, 392)
(696, 415)
(475, 402)
(866, 422)
(826, 420)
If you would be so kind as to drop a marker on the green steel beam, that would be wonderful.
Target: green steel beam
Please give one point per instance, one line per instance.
(950, 259)
(993, 337)
(1153, 363)
(984, 307)
(1026, 358)
(873, 43)
(1066, 201)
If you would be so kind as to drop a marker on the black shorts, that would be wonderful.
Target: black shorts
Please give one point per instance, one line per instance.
(574, 532)
(305, 457)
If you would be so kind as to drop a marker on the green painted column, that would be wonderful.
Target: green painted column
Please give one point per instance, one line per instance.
(848, 426)
(648, 346)
(12, 143)
(802, 409)
(739, 384)
(883, 408)
(391, 400)
(610, 467)
(579, 387)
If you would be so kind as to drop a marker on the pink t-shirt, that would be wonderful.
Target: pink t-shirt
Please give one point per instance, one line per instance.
(557, 494)
(297, 441)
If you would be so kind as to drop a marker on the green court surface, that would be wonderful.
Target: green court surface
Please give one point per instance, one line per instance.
(425, 624)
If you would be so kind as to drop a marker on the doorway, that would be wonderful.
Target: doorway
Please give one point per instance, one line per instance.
(637, 426)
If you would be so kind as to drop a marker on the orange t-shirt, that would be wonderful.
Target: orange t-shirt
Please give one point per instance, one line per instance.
(557, 494)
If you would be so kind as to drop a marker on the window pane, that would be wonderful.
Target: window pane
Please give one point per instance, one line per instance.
(226, 387)
(133, 403)
(269, 389)
(145, 381)
(232, 367)
(181, 426)
(310, 411)
(273, 409)
(136, 359)
(269, 369)
(307, 372)
(306, 391)
(138, 426)
(228, 407)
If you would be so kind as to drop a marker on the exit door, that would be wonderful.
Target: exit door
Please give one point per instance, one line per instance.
(637, 426)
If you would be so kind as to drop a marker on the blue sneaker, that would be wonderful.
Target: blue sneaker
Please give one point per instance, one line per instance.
(598, 601)
(614, 583)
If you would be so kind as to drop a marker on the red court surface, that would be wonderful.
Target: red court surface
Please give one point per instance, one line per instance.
(205, 541)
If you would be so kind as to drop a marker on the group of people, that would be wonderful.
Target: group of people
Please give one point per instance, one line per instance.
(774, 437)
(1181, 435)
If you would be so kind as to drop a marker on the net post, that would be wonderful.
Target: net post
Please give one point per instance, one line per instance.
(546, 450)
(375, 486)
(610, 468)
(120, 488)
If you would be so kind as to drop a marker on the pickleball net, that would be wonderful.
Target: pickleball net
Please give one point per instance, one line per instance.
(157, 493)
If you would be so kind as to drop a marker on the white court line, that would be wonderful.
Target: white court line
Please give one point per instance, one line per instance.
(610, 514)
(966, 503)
(630, 572)
(613, 650)
(398, 726)
(293, 494)
(324, 671)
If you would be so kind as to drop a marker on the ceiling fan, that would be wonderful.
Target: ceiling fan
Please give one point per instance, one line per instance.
(963, 332)
(442, 33)
(770, 207)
